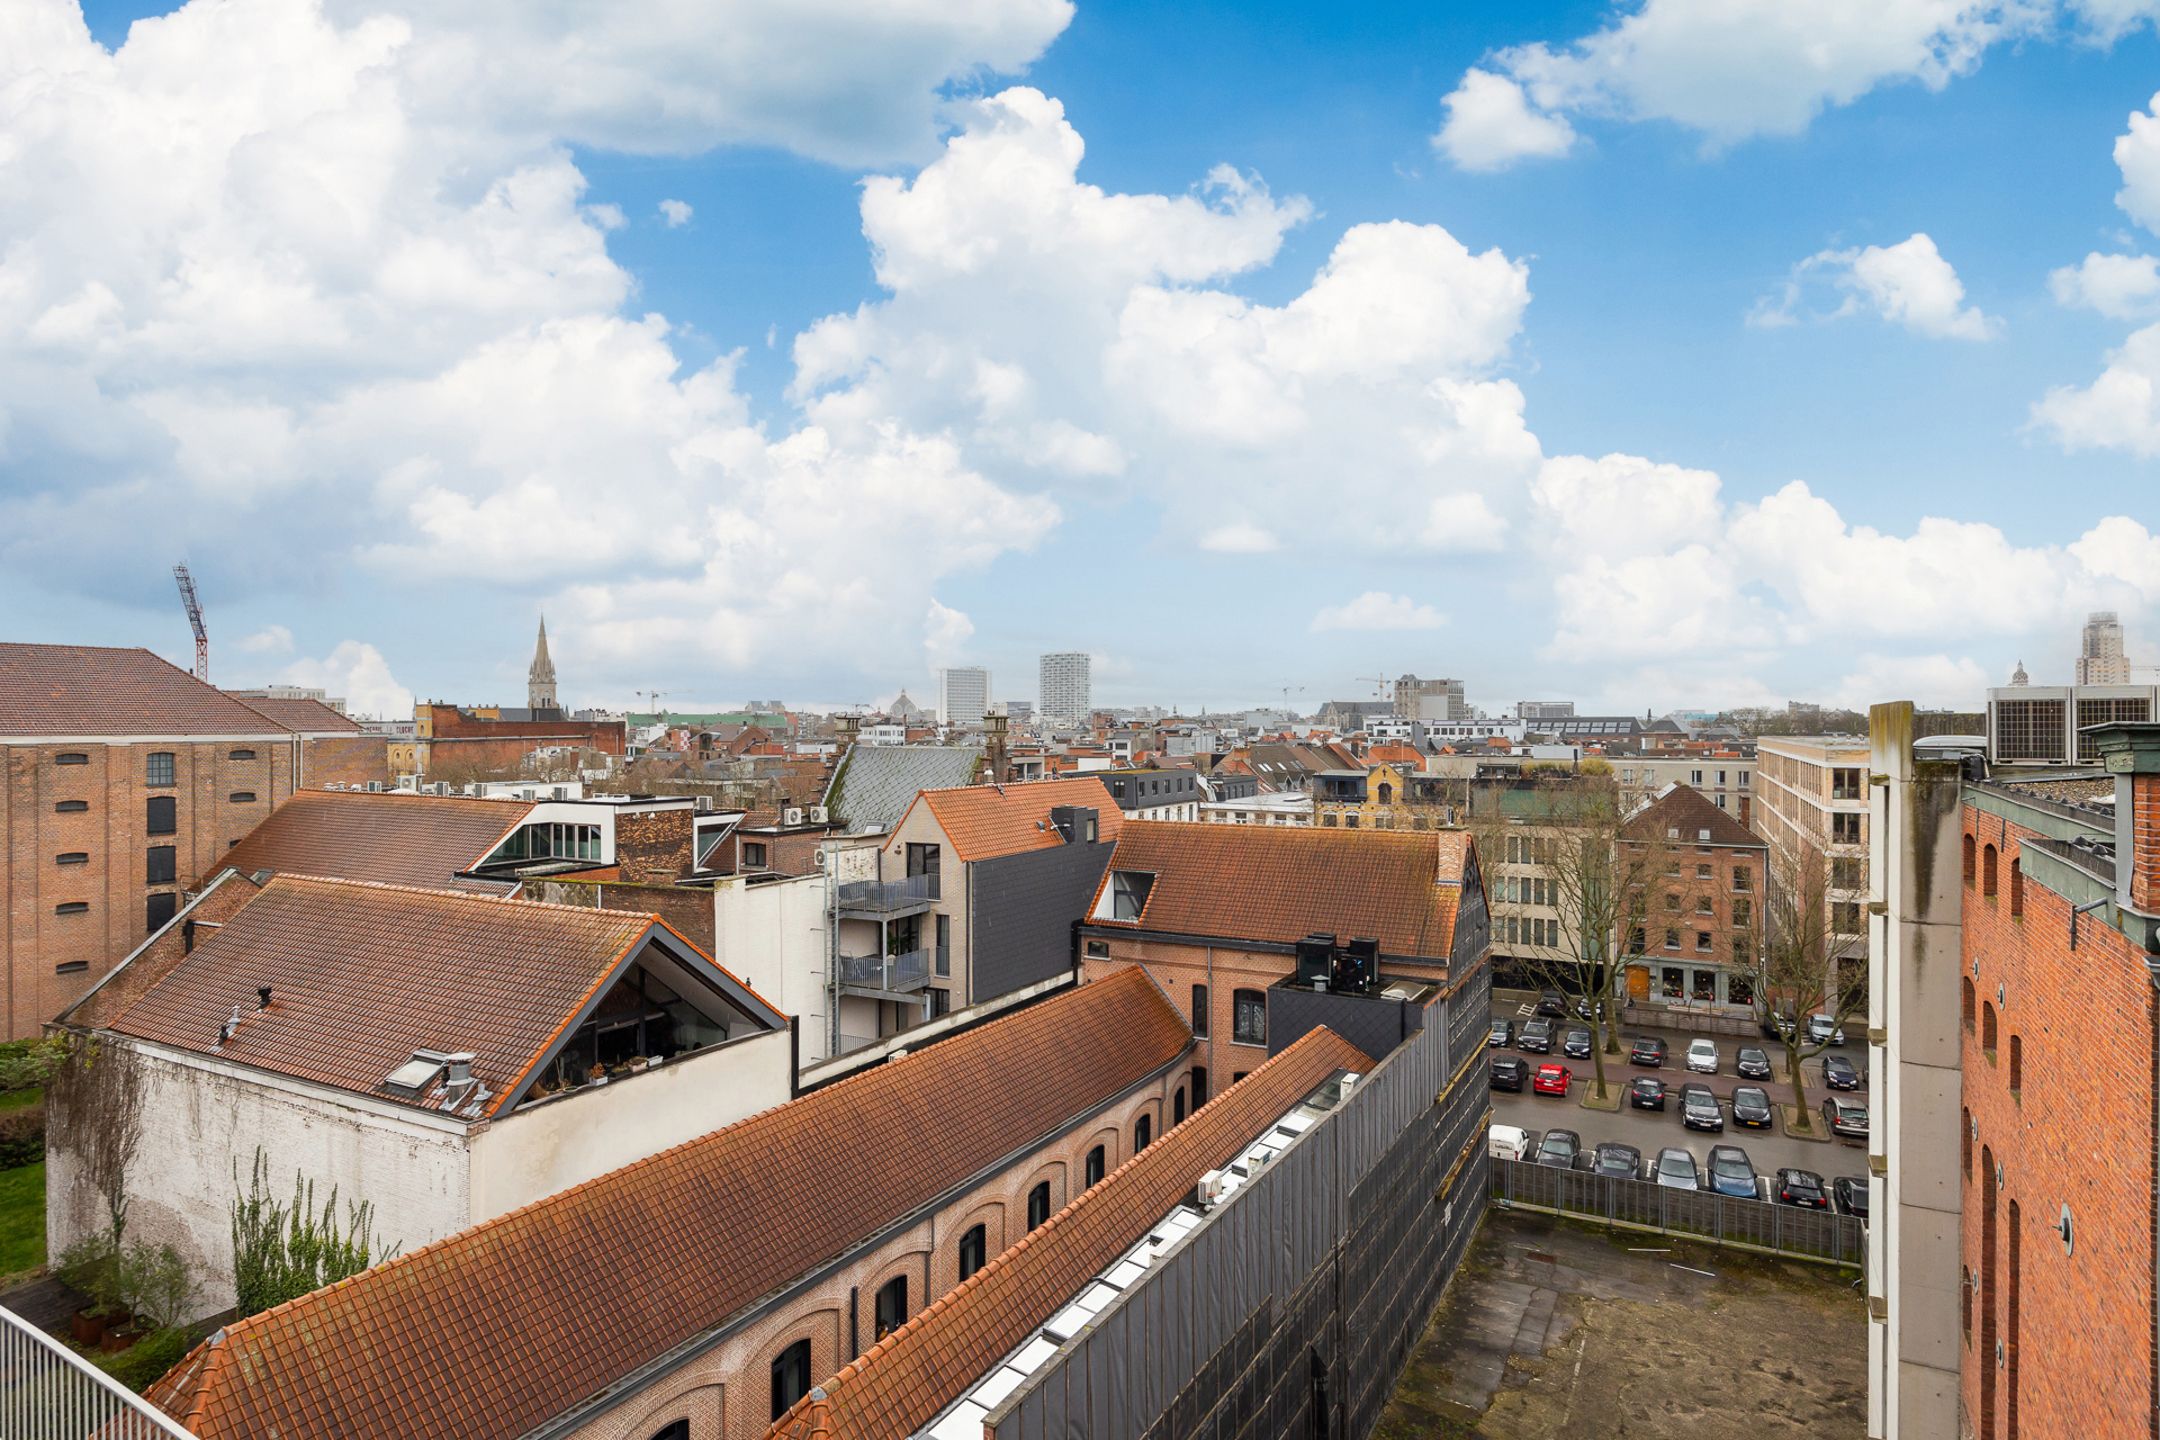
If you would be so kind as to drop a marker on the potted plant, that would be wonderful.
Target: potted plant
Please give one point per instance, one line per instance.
(635, 1064)
(86, 1267)
(598, 1075)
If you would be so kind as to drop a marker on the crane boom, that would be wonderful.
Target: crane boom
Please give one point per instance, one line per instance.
(194, 615)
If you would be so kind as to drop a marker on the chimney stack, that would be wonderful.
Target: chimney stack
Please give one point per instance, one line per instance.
(2131, 753)
(262, 997)
(994, 747)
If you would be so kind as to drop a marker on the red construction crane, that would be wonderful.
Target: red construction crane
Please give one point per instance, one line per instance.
(194, 615)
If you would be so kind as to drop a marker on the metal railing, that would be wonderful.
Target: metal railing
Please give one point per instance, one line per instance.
(884, 895)
(1645, 1205)
(908, 971)
(47, 1392)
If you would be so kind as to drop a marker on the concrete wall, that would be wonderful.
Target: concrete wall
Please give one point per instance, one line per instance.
(570, 1138)
(772, 936)
(201, 1117)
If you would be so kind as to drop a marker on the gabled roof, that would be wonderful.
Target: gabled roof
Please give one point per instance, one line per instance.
(873, 785)
(1278, 884)
(88, 690)
(362, 975)
(398, 839)
(986, 821)
(1688, 810)
(903, 1381)
(502, 1327)
(301, 715)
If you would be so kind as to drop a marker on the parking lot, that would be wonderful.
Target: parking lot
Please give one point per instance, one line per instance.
(1651, 1130)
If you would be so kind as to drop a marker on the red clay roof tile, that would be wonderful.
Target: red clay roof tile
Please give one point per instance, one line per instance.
(397, 839)
(986, 821)
(70, 690)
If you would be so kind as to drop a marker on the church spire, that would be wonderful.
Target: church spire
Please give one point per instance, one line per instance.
(540, 680)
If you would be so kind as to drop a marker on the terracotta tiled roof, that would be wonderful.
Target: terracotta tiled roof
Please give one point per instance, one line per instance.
(362, 975)
(985, 821)
(1688, 810)
(398, 839)
(302, 716)
(903, 1381)
(69, 690)
(504, 1326)
(1279, 884)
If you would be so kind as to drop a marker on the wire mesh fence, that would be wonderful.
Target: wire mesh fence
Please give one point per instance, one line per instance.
(47, 1392)
(1641, 1204)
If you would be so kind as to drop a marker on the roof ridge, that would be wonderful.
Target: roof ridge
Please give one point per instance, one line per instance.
(301, 876)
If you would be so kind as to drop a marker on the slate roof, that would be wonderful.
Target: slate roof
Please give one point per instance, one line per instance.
(986, 821)
(362, 975)
(87, 690)
(301, 715)
(873, 785)
(1688, 810)
(571, 1293)
(1278, 884)
(398, 839)
(904, 1380)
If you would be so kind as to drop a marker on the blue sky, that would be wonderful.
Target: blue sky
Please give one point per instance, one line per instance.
(364, 338)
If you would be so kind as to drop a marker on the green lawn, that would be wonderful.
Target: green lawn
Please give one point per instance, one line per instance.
(17, 1099)
(22, 1219)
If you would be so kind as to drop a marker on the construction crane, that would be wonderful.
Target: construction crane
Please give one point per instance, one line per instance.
(1380, 684)
(194, 615)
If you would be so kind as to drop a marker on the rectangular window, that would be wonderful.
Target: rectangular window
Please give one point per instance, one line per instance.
(1249, 1017)
(72, 807)
(158, 768)
(1743, 879)
(753, 854)
(1096, 949)
(71, 757)
(1845, 829)
(72, 907)
(940, 1002)
(1702, 940)
(1129, 893)
(242, 797)
(160, 865)
(974, 1250)
(1844, 783)
(1199, 1010)
(790, 1377)
(241, 755)
(943, 957)
(1743, 911)
(160, 907)
(891, 1305)
(162, 816)
(72, 857)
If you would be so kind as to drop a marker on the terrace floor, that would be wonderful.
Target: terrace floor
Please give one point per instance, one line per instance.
(1554, 1329)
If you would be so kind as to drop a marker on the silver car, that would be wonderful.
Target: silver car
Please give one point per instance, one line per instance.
(1702, 1056)
(1675, 1169)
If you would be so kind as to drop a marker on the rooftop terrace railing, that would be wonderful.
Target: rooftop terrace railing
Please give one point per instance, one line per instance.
(49, 1393)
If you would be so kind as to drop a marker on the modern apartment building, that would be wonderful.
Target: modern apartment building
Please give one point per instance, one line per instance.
(1544, 709)
(2100, 651)
(963, 696)
(1064, 695)
(1727, 780)
(1417, 699)
(2045, 725)
(1811, 795)
(125, 778)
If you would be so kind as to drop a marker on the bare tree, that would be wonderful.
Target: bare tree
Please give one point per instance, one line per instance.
(1802, 972)
(95, 1099)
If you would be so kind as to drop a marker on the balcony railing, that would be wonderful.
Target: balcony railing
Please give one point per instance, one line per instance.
(885, 897)
(897, 974)
(47, 1393)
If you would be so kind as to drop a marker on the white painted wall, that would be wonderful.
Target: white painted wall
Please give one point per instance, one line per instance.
(202, 1116)
(572, 1137)
(772, 936)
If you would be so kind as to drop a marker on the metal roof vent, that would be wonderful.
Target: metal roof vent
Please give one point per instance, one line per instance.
(417, 1075)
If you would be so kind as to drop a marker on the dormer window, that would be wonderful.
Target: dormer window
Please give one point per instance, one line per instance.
(1129, 893)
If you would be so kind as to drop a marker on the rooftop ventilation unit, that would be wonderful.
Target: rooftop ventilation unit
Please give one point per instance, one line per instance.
(817, 815)
(1315, 959)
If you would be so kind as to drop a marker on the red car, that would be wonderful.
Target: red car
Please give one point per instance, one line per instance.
(1552, 1080)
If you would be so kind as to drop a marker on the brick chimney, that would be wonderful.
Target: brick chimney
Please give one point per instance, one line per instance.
(849, 726)
(2131, 753)
(994, 748)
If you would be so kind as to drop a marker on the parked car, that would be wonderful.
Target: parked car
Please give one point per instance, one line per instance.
(1559, 1149)
(1577, 1044)
(1646, 1092)
(1613, 1158)
(1502, 1033)
(1552, 1080)
(1840, 1073)
(1803, 1188)
(1845, 1117)
(1675, 1169)
(1509, 1073)
(1699, 1109)
(1777, 1025)
(1702, 1057)
(1584, 1009)
(1535, 1036)
(1732, 1173)
(1551, 1002)
(1821, 1028)
(1507, 1142)
(1647, 1050)
(1751, 1064)
(1850, 1192)
(1751, 1107)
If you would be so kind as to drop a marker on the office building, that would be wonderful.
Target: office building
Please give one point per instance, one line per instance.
(2100, 654)
(1065, 696)
(1811, 795)
(964, 696)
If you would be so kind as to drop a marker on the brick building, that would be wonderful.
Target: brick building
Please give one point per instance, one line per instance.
(125, 777)
(452, 740)
(698, 1294)
(1699, 948)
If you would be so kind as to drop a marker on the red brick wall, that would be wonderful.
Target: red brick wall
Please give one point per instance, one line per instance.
(2145, 842)
(51, 958)
(654, 846)
(2077, 1131)
(790, 853)
(346, 760)
(447, 722)
(689, 909)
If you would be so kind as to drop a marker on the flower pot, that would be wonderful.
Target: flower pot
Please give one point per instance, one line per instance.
(85, 1328)
(121, 1333)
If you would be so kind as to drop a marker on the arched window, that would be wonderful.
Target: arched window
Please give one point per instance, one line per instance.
(790, 1377)
(1970, 867)
(1143, 1130)
(891, 1305)
(1987, 1027)
(1987, 872)
(673, 1430)
(974, 1250)
(1038, 1204)
(1967, 1003)
(2017, 887)
(1387, 793)
(1177, 1106)
(2017, 1063)
(1095, 1161)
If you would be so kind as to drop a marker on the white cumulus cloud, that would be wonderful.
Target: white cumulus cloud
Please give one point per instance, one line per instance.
(2121, 287)
(675, 213)
(270, 640)
(358, 672)
(1908, 284)
(1490, 125)
(1378, 610)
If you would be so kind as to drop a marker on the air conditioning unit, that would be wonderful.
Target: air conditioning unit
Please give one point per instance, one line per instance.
(791, 816)
(375, 785)
(817, 814)
(1210, 1188)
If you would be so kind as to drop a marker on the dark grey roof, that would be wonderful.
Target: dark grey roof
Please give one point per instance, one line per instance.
(873, 785)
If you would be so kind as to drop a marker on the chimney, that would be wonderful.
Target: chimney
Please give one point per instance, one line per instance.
(262, 997)
(994, 747)
(2131, 753)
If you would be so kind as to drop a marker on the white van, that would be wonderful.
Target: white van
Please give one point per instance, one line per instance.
(1508, 1142)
